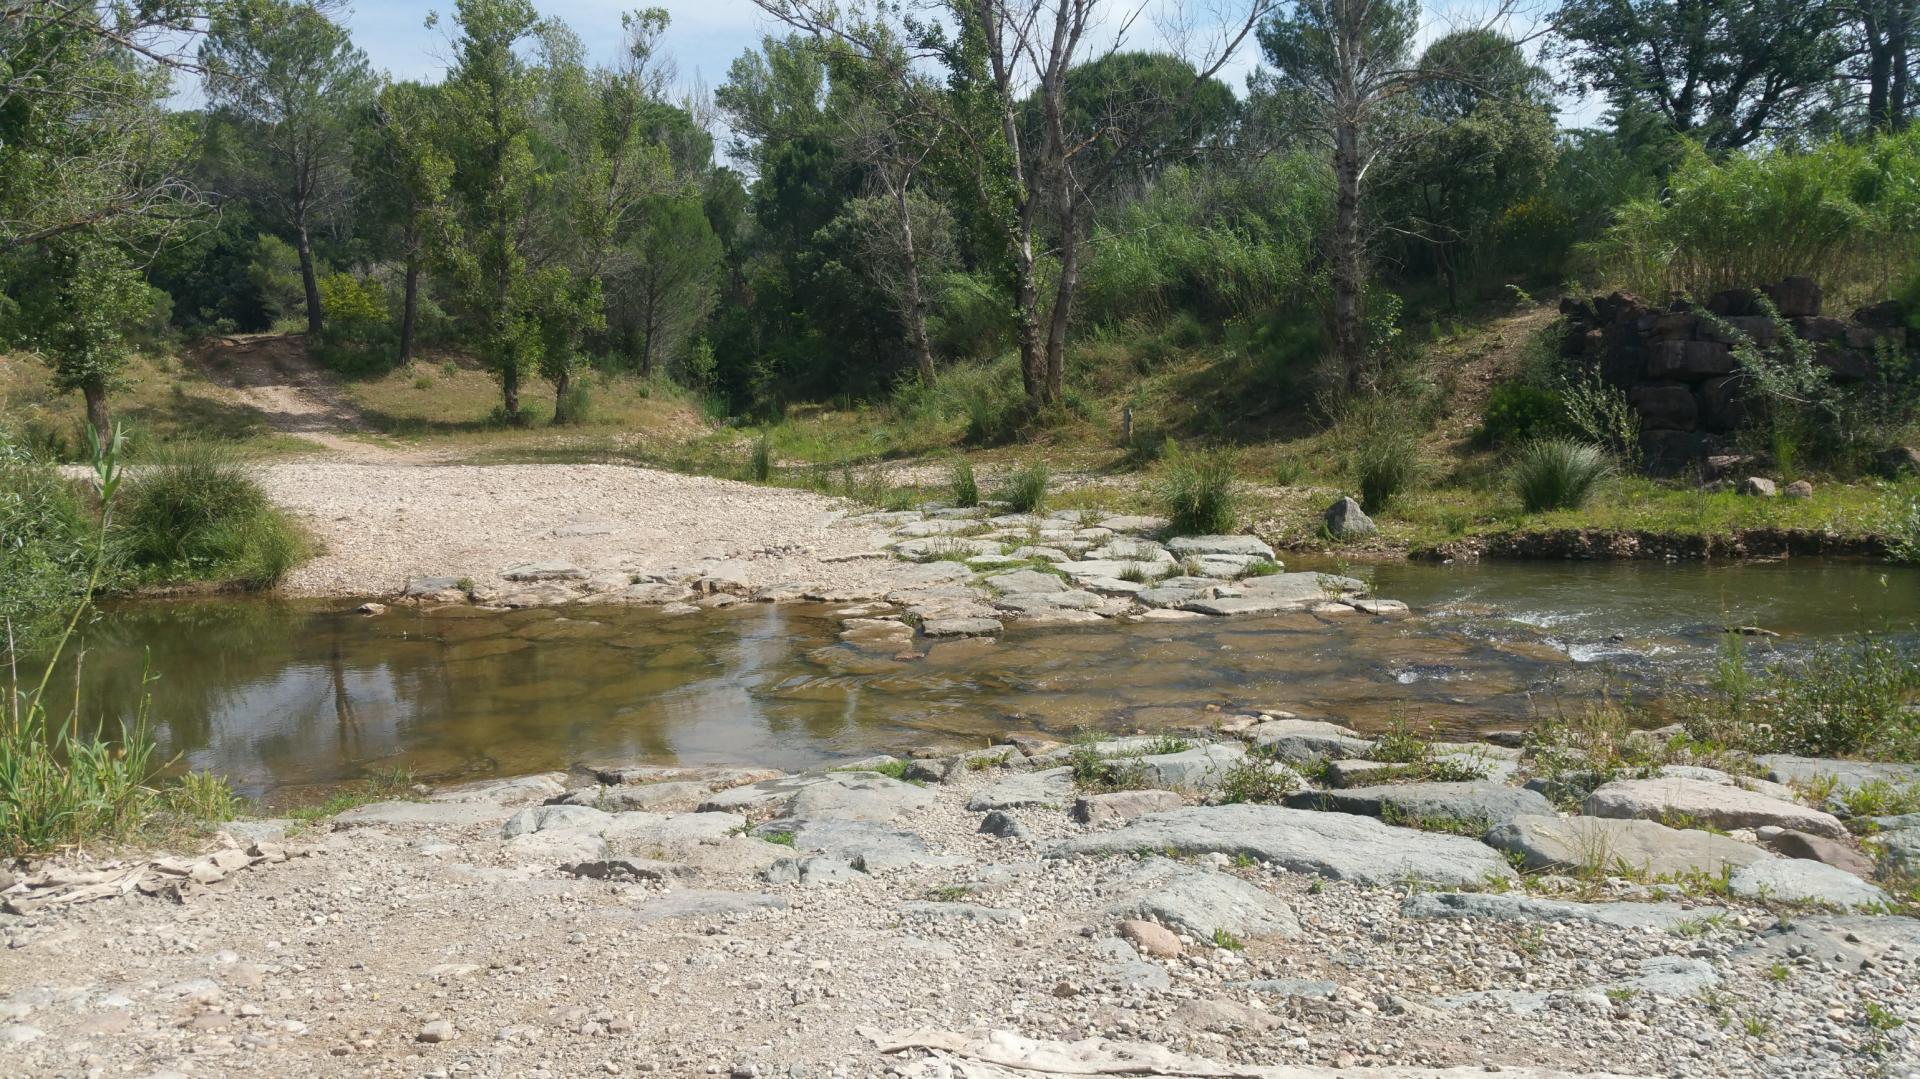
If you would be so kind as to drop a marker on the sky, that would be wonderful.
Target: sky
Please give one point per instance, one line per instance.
(706, 35)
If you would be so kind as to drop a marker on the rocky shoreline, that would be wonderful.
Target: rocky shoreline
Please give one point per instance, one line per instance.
(1027, 909)
(951, 572)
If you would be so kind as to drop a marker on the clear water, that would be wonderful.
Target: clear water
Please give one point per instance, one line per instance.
(281, 696)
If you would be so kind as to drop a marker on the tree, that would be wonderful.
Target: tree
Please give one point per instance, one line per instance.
(293, 76)
(661, 281)
(1342, 65)
(1014, 153)
(85, 144)
(1881, 36)
(1483, 140)
(407, 177)
(82, 297)
(1726, 72)
(490, 99)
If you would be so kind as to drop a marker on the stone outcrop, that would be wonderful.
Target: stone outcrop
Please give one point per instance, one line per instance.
(1677, 364)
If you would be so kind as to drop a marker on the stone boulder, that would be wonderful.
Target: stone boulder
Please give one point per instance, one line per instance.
(1183, 546)
(1124, 805)
(1333, 845)
(1346, 520)
(1679, 800)
(1845, 775)
(1027, 582)
(1052, 787)
(1298, 741)
(1759, 487)
(1198, 769)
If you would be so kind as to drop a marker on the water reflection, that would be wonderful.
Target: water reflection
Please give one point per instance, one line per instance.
(281, 695)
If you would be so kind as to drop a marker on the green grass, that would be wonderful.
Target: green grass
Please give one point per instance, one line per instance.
(1556, 474)
(964, 488)
(394, 786)
(1199, 494)
(192, 513)
(1851, 697)
(760, 460)
(1026, 487)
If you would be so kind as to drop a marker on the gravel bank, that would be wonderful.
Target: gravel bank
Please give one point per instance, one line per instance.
(383, 524)
(632, 920)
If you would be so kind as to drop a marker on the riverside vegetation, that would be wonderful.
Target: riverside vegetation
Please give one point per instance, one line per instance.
(1010, 294)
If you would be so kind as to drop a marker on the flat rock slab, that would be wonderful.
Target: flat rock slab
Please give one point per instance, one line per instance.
(868, 846)
(1105, 567)
(1205, 545)
(1226, 606)
(421, 815)
(1675, 798)
(1199, 901)
(1847, 775)
(1303, 587)
(1483, 804)
(518, 790)
(858, 796)
(962, 627)
(1135, 524)
(1198, 769)
(1053, 787)
(1298, 741)
(1804, 880)
(1640, 847)
(557, 818)
(1334, 845)
(1508, 907)
(697, 903)
(716, 777)
(682, 794)
(1124, 805)
(1027, 581)
(544, 571)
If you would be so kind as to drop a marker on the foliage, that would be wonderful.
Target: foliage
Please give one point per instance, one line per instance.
(1843, 698)
(1197, 492)
(46, 548)
(1256, 779)
(1558, 474)
(966, 491)
(1598, 412)
(1518, 410)
(193, 513)
(1855, 209)
(79, 300)
(1025, 490)
(356, 307)
(1900, 522)
(760, 460)
(61, 785)
(1383, 452)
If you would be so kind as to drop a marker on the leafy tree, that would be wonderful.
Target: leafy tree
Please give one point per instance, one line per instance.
(1726, 72)
(82, 299)
(407, 177)
(293, 78)
(499, 186)
(1484, 140)
(661, 282)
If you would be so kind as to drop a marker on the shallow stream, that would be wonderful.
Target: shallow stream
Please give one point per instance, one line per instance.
(281, 695)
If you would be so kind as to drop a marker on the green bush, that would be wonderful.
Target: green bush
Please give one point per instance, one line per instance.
(1843, 699)
(1026, 488)
(1197, 492)
(1383, 465)
(46, 537)
(760, 459)
(966, 490)
(193, 513)
(1558, 474)
(1517, 411)
(576, 406)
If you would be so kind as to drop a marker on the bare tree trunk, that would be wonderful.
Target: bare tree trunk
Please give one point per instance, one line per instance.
(409, 309)
(1349, 256)
(1062, 314)
(561, 414)
(309, 280)
(916, 299)
(98, 417)
(510, 392)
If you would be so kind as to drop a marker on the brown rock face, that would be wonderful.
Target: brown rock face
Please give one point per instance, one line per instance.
(1150, 938)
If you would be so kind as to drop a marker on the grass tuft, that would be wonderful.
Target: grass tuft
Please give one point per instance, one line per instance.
(1558, 474)
(1198, 493)
(1026, 487)
(195, 514)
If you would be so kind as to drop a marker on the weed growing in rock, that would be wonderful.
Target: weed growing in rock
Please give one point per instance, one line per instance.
(1844, 698)
(1256, 780)
(964, 488)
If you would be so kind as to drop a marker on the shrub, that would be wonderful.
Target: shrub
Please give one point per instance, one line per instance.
(45, 555)
(193, 513)
(1384, 465)
(760, 459)
(356, 309)
(966, 491)
(576, 405)
(1026, 487)
(1197, 493)
(1558, 474)
(1845, 698)
(1517, 411)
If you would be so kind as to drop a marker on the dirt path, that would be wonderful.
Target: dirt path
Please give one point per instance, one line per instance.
(273, 375)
